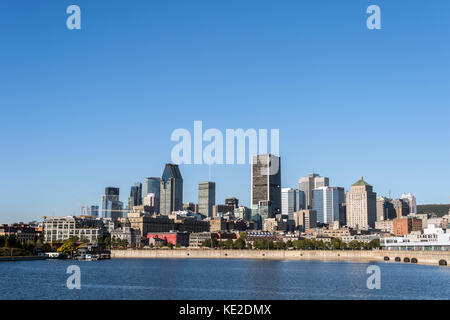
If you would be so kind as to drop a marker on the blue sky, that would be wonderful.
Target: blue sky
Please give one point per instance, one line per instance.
(81, 110)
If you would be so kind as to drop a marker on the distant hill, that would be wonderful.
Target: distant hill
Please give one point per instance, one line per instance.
(438, 209)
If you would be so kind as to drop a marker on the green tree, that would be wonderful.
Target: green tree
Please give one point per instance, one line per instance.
(280, 245)
(12, 242)
(239, 244)
(207, 243)
(374, 244)
(229, 244)
(2, 241)
(67, 247)
(355, 245)
(46, 247)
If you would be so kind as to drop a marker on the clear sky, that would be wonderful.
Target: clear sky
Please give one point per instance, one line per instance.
(84, 109)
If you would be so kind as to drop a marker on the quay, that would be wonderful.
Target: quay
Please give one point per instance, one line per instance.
(435, 258)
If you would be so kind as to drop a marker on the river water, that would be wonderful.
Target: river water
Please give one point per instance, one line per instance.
(220, 279)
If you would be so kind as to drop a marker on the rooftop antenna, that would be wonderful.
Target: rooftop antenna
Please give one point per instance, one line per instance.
(389, 193)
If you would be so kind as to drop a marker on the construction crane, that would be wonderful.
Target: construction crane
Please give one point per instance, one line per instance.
(81, 207)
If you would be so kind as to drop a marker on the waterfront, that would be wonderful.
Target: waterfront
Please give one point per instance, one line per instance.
(220, 279)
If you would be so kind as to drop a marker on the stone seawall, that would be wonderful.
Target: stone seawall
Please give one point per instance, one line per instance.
(419, 257)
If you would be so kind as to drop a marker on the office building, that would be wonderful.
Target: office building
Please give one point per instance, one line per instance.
(151, 186)
(292, 200)
(327, 202)
(220, 210)
(111, 206)
(190, 206)
(206, 198)
(361, 205)
(232, 202)
(135, 198)
(385, 209)
(385, 225)
(405, 225)
(266, 183)
(60, 229)
(243, 213)
(401, 207)
(411, 200)
(308, 184)
(93, 211)
(305, 219)
(171, 190)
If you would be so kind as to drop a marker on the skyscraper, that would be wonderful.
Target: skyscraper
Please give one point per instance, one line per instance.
(411, 201)
(92, 211)
(135, 198)
(327, 204)
(151, 186)
(307, 184)
(361, 205)
(385, 209)
(111, 206)
(206, 198)
(232, 202)
(401, 207)
(171, 190)
(292, 200)
(266, 183)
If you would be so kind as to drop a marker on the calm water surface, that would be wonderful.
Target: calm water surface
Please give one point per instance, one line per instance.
(220, 279)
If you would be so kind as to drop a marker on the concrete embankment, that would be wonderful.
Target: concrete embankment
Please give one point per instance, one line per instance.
(6, 259)
(419, 257)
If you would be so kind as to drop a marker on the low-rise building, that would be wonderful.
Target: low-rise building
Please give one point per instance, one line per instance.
(174, 237)
(431, 239)
(129, 234)
(305, 219)
(385, 225)
(22, 232)
(196, 239)
(404, 225)
(63, 228)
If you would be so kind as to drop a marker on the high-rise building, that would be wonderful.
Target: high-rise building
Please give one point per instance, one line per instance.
(151, 186)
(266, 183)
(135, 198)
(206, 198)
(292, 200)
(308, 184)
(171, 190)
(327, 202)
(92, 211)
(111, 206)
(190, 206)
(411, 202)
(385, 209)
(305, 219)
(401, 207)
(361, 205)
(232, 202)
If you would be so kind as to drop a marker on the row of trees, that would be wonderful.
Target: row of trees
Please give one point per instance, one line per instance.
(304, 244)
(27, 247)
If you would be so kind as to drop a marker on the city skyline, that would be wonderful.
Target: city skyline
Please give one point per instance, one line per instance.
(87, 109)
(131, 188)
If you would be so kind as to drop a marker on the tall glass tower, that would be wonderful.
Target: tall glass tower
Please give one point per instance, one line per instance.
(171, 190)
